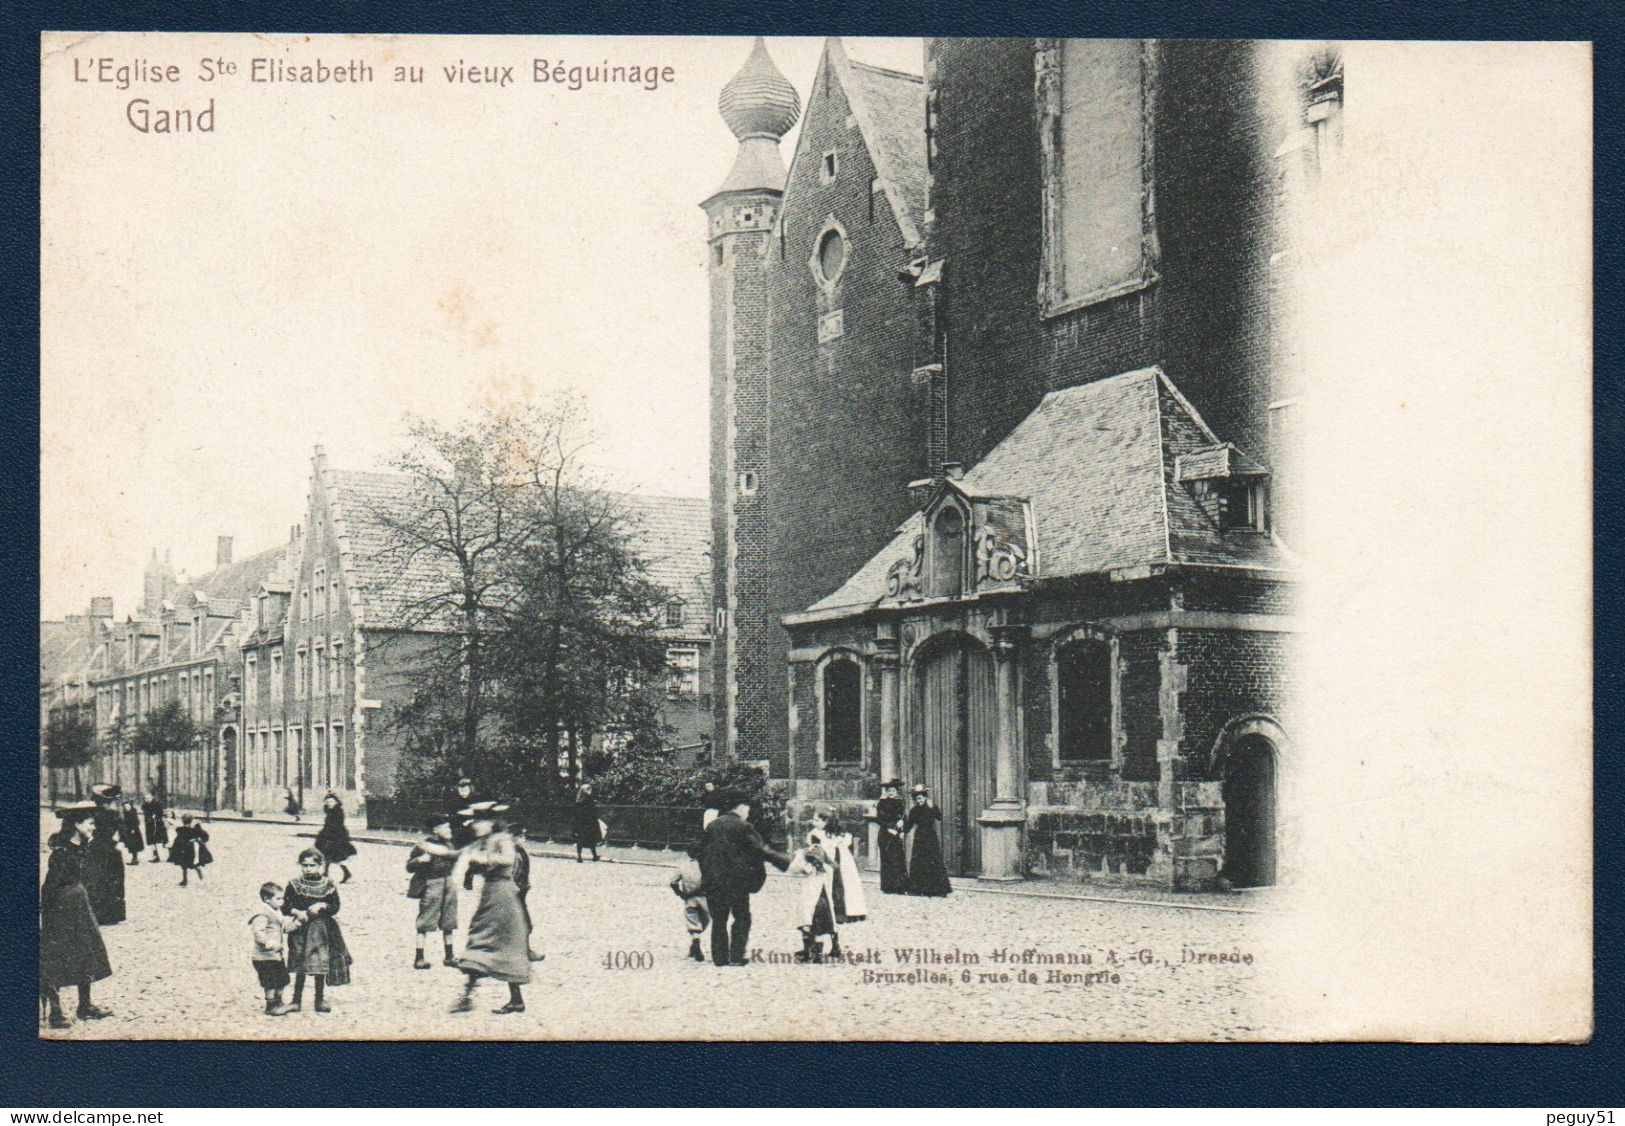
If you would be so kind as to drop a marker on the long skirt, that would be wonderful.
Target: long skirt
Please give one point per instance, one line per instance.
(498, 938)
(104, 882)
(333, 842)
(893, 864)
(70, 943)
(927, 875)
(318, 948)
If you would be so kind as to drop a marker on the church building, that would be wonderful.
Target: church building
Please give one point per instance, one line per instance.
(1001, 426)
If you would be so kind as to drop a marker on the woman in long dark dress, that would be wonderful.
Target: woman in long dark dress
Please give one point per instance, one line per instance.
(104, 862)
(927, 875)
(133, 839)
(588, 833)
(498, 943)
(334, 839)
(890, 813)
(155, 823)
(71, 951)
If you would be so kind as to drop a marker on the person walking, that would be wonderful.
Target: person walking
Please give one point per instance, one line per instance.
(589, 832)
(521, 882)
(733, 860)
(927, 875)
(890, 813)
(334, 839)
(497, 944)
(104, 862)
(71, 950)
(190, 852)
(290, 805)
(155, 822)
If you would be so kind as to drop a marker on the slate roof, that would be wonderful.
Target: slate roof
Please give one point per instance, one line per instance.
(673, 536)
(64, 649)
(890, 107)
(1098, 465)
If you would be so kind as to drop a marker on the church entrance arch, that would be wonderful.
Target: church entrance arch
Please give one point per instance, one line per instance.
(956, 736)
(1249, 812)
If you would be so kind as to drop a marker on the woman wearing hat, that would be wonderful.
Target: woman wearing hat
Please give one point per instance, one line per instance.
(927, 875)
(71, 951)
(498, 939)
(889, 815)
(334, 839)
(104, 862)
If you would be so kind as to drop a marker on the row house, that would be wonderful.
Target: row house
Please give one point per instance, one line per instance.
(184, 645)
(337, 632)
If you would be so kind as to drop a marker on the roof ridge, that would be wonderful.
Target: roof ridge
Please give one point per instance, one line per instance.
(836, 51)
(908, 74)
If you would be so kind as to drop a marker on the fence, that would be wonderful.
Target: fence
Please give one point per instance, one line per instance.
(643, 826)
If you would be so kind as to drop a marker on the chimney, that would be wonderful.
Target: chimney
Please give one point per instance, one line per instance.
(101, 607)
(953, 470)
(222, 551)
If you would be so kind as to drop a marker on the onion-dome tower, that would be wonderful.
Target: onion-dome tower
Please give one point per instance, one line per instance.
(759, 106)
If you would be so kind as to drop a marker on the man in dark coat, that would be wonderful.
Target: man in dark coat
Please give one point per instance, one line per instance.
(732, 867)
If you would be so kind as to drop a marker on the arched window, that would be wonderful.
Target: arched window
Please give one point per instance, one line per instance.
(948, 554)
(1083, 685)
(843, 711)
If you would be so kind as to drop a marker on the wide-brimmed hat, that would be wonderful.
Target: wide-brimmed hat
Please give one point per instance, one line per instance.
(893, 784)
(465, 780)
(76, 810)
(106, 790)
(483, 809)
(920, 788)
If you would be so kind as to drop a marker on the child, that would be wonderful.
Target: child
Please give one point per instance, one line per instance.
(816, 914)
(317, 947)
(270, 928)
(155, 822)
(430, 863)
(689, 886)
(190, 852)
(834, 894)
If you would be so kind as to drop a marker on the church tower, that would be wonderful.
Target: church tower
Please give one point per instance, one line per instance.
(759, 106)
(157, 585)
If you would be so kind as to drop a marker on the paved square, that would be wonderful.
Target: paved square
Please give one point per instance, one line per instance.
(181, 963)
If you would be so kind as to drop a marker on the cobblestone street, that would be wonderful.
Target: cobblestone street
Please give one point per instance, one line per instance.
(181, 963)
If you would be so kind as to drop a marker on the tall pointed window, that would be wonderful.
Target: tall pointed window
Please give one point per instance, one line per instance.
(843, 711)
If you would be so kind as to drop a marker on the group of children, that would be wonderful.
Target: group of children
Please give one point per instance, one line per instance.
(831, 892)
(296, 935)
(148, 824)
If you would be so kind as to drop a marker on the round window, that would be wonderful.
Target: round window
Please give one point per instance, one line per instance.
(831, 255)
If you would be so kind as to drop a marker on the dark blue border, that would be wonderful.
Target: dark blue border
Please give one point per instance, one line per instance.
(85, 1075)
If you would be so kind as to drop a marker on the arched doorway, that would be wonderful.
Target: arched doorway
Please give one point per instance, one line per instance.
(955, 741)
(1249, 812)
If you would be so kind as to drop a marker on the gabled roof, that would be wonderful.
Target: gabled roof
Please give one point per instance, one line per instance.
(889, 107)
(229, 588)
(1098, 465)
(673, 537)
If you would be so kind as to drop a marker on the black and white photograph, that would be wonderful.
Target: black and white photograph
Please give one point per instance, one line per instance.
(849, 539)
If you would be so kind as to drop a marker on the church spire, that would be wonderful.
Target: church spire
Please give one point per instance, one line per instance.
(759, 106)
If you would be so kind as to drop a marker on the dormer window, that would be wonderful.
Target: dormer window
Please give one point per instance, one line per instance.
(1242, 505)
(674, 614)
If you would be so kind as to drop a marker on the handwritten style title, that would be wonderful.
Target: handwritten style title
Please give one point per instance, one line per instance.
(163, 114)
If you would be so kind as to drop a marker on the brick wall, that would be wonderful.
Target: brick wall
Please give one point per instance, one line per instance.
(1206, 321)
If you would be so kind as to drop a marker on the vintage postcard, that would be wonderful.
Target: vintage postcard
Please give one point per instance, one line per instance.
(773, 539)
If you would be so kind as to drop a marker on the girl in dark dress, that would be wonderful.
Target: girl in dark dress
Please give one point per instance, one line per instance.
(132, 832)
(317, 947)
(104, 862)
(889, 815)
(927, 875)
(498, 942)
(155, 823)
(190, 852)
(588, 833)
(334, 839)
(71, 951)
